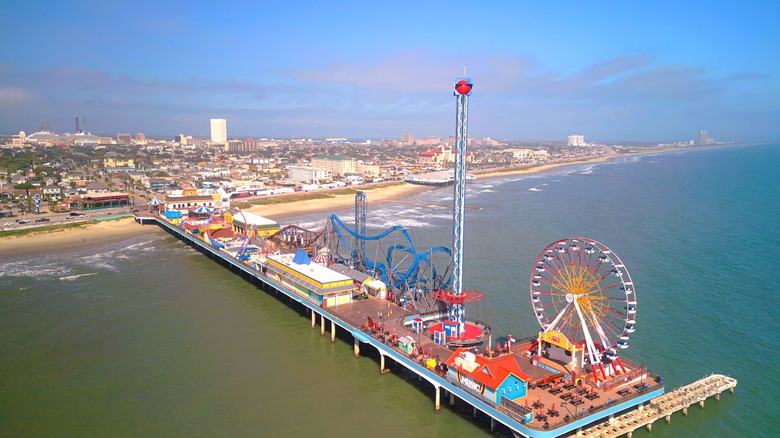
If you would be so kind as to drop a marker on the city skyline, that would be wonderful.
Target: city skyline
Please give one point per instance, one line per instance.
(649, 72)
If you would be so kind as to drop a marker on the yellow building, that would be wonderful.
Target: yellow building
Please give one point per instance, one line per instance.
(244, 222)
(110, 162)
(314, 282)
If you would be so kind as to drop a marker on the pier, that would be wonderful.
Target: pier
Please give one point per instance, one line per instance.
(663, 407)
(580, 405)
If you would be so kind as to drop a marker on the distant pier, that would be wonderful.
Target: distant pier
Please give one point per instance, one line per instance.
(663, 407)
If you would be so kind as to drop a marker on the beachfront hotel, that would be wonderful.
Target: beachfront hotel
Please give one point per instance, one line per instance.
(218, 131)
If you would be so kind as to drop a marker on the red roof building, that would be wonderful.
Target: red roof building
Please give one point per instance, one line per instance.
(494, 379)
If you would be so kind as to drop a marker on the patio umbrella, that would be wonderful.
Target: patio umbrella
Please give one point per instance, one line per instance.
(320, 258)
(155, 202)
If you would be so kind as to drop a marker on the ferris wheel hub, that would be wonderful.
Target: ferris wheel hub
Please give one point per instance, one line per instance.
(570, 298)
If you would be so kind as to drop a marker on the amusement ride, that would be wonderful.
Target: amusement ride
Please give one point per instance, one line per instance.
(582, 291)
(430, 281)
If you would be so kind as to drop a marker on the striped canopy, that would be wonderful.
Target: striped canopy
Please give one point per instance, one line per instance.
(203, 209)
(320, 258)
(155, 201)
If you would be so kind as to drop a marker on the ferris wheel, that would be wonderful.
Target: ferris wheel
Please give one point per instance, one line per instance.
(580, 288)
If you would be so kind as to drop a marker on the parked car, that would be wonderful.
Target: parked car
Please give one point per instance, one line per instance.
(42, 219)
(23, 221)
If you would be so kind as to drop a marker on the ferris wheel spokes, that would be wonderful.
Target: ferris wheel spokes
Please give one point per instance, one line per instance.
(573, 292)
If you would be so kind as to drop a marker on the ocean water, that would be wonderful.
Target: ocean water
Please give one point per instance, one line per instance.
(147, 337)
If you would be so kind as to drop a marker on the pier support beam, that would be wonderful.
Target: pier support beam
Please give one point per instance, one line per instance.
(668, 419)
(438, 397)
(492, 424)
(357, 348)
(322, 324)
(452, 399)
(475, 412)
(332, 331)
(649, 427)
(313, 318)
(381, 363)
(701, 404)
(685, 411)
(717, 397)
(630, 434)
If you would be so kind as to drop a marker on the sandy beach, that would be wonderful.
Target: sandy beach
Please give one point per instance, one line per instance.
(71, 238)
(376, 196)
(115, 230)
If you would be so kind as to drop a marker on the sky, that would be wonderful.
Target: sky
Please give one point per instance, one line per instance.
(612, 71)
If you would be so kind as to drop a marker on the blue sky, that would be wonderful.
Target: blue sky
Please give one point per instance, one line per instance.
(613, 71)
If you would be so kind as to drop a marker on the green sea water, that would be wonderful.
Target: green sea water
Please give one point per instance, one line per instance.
(147, 337)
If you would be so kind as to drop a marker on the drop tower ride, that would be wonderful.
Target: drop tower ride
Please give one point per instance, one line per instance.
(462, 92)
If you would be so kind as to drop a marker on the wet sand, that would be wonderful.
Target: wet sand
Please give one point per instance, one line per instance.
(71, 238)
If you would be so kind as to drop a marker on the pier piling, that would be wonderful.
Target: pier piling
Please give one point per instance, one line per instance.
(322, 324)
(313, 318)
(357, 348)
(332, 331)
(438, 397)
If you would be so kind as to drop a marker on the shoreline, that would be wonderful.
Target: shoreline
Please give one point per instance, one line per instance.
(72, 238)
(115, 230)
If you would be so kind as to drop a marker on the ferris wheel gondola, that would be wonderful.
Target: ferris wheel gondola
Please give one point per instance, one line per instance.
(581, 289)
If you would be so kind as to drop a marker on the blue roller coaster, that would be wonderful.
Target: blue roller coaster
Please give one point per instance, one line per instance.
(400, 266)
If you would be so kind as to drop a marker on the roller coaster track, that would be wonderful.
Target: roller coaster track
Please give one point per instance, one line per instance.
(411, 277)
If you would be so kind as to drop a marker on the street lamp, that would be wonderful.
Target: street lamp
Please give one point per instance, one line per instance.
(566, 406)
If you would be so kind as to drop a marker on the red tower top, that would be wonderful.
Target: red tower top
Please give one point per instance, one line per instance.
(463, 86)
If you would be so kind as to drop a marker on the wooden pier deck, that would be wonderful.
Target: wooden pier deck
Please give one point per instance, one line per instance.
(351, 318)
(663, 407)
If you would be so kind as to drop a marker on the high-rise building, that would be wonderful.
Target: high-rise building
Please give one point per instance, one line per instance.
(702, 139)
(139, 137)
(575, 140)
(407, 138)
(336, 165)
(218, 131)
(124, 138)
